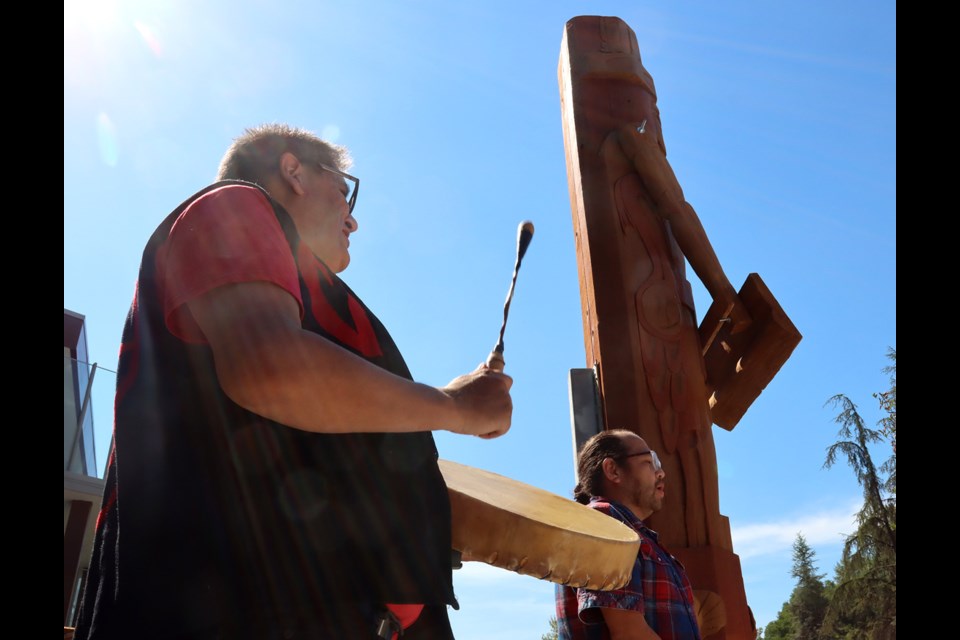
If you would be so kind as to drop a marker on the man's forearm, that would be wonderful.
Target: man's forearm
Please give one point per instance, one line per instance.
(307, 382)
(267, 363)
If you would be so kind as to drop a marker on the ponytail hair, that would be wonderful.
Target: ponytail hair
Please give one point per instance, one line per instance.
(606, 444)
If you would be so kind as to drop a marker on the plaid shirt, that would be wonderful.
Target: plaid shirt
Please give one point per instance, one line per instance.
(658, 589)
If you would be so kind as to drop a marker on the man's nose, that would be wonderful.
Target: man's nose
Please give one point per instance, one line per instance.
(352, 224)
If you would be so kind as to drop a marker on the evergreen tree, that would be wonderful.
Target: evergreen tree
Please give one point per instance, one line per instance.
(864, 601)
(888, 426)
(801, 617)
(552, 634)
(783, 628)
(808, 604)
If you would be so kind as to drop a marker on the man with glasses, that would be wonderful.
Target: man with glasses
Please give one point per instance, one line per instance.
(619, 475)
(273, 473)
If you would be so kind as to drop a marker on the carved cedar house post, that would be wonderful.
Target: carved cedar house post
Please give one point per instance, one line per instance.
(659, 374)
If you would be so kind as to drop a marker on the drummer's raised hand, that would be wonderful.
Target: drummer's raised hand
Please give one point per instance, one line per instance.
(482, 402)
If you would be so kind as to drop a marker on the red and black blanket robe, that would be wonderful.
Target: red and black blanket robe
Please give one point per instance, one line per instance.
(216, 518)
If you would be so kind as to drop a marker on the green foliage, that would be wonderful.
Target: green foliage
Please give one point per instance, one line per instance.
(552, 634)
(803, 569)
(801, 617)
(863, 604)
(808, 604)
(888, 424)
(783, 628)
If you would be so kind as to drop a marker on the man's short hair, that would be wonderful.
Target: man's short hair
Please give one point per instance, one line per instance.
(255, 155)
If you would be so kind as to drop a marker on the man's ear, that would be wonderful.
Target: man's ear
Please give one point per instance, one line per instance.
(291, 172)
(610, 470)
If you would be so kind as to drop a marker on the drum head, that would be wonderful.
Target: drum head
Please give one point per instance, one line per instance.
(521, 528)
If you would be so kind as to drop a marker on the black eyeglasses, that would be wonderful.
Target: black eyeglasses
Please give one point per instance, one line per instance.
(653, 456)
(353, 184)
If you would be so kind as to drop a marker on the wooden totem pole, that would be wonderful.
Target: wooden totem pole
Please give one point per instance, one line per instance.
(659, 374)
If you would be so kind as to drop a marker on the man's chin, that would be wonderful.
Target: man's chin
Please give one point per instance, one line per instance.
(341, 266)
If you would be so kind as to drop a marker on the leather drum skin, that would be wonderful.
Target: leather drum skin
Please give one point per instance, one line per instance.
(521, 528)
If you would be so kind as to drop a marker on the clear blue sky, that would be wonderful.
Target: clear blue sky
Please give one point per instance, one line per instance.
(780, 122)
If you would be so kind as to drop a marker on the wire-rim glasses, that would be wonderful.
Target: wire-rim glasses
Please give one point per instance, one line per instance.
(653, 456)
